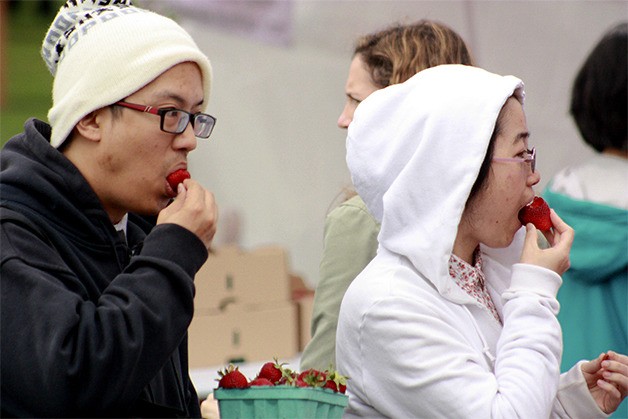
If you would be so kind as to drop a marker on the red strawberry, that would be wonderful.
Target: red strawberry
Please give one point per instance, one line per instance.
(289, 377)
(313, 377)
(331, 385)
(261, 381)
(231, 377)
(273, 371)
(536, 212)
(177, 177)
(300, 383)
(336, 382)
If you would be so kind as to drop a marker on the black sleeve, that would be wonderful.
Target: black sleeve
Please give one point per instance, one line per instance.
(62, 354)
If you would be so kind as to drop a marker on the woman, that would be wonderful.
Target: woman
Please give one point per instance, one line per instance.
(386, 57)
(456, 315)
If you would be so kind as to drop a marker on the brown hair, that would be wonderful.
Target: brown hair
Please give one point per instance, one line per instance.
(396, 53)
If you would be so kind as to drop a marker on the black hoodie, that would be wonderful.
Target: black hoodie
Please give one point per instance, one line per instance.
(89, 326)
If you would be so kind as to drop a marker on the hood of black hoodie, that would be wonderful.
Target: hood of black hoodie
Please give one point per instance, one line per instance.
(36, 178)
(39, 183)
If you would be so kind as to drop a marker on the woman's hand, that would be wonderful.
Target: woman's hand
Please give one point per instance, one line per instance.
(556, 257)
(607, 379)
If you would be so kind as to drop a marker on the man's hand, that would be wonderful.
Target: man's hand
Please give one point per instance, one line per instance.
(195, 209)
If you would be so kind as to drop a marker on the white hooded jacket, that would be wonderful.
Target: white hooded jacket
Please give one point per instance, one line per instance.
(413, 343)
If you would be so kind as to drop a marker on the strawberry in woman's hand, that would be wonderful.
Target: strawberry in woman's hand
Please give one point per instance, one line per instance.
(177, 177)
(231, 377)
(536, 212)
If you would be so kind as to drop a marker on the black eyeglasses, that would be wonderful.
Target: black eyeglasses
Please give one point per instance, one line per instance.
(531, 158)
(175, 121)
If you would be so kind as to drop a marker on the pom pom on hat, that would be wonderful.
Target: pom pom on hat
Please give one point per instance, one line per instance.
(101, 51)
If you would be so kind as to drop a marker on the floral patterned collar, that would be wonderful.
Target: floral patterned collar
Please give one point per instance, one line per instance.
(471, 280)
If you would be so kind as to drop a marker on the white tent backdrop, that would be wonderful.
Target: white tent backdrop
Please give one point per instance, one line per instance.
(276, 160)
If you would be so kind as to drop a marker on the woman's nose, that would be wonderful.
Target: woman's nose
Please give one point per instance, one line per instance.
(345, 117)
(534, 178)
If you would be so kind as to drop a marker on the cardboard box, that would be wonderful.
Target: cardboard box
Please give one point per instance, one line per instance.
(305, 304)
(303, 296)
(254, 278)
(243, 334)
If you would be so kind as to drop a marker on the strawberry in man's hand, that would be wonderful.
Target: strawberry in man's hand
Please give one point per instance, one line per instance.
(231, 377)
(536, 212)
(177, 177)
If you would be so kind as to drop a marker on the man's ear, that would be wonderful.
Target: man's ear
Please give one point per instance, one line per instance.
(90, 126)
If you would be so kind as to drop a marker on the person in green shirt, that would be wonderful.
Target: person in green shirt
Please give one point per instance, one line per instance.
(380, 59)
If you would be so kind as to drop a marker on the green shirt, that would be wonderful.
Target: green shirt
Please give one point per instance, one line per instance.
(350, 242)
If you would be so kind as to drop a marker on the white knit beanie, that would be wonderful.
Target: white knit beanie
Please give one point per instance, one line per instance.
(101, 51)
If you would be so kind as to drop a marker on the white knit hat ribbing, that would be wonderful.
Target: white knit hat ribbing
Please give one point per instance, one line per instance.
(99, 55)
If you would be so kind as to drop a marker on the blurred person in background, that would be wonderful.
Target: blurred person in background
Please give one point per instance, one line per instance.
(95, 303)
(593, 198)
(380, 59)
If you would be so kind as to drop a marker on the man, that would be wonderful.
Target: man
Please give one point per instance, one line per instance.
(96, 304)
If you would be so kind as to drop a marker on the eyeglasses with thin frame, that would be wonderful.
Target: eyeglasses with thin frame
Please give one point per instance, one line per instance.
(175, 121)
(531, 158)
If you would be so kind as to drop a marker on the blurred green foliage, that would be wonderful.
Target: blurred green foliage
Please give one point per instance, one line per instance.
(28, 89)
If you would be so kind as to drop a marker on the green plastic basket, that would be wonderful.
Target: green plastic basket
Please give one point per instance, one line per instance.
(281, 402)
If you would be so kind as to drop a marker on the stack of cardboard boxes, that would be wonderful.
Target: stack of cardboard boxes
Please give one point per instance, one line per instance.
(248, 308)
